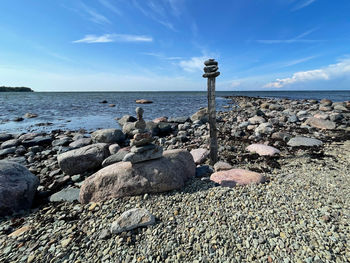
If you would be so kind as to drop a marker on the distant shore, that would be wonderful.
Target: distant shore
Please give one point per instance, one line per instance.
(15, 89)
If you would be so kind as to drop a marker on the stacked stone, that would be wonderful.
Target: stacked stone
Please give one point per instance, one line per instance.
(211, 69)
(142, 147)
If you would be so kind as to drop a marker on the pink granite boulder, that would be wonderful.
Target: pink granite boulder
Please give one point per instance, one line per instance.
(262, 149)
(233, 177)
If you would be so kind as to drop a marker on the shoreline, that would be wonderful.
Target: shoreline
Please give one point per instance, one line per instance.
(296, 214)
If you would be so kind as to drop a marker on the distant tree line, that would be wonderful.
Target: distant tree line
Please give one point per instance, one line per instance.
(15, 89)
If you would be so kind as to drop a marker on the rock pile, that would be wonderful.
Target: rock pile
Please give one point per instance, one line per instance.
(142, 147)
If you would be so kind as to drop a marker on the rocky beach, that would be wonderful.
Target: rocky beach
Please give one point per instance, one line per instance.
(145, 192)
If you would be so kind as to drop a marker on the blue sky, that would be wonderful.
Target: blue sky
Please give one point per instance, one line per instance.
(134, 45)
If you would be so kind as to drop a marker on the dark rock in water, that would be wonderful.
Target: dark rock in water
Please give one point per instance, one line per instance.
(83, 159)
(108, 136)
(143, 101)
(125, 179)
(67, 194)
(181, 120)
(118, 157)
(104, 102)
(5, 137)
(204, 171)
(10, 143)
(304, 141)
(18, 119)
(29, 115)
(125, 119)
(18, 187)
(40, 140)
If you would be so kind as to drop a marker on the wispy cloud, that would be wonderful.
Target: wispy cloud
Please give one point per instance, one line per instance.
(160, 56)
(297, 39)
(94, 16)
(155, 11)
(106, 38)
(110, 6)
(338, 70)
(302, 4)
(298, 61)
(193, 64)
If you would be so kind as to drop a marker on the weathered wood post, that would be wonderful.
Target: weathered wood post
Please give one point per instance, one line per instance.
(211, 72)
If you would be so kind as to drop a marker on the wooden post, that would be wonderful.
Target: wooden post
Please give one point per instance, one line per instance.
(211, 72)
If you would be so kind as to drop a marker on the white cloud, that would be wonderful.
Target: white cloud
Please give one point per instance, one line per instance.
(193, 64)
(331, 72)
(302, 4)
(297, 39)
(114, 38)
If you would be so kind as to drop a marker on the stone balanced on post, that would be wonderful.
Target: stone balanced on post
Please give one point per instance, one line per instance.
(142, 147)
(211, 72)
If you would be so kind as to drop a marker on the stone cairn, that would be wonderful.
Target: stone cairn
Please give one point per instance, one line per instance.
(142, 147)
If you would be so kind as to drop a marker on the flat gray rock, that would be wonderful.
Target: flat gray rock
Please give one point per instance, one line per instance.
(115, 158)
(137, 157)
(108, 136)
(80, 143)
(83, 159)
(131, 219)
(68, 194)
(304, 141)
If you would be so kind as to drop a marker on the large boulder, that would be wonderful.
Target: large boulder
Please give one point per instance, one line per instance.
(80, 160)
(126, 179)
(17, 188)
(108, 136)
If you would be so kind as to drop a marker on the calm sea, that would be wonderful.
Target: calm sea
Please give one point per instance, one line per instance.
(73, 110)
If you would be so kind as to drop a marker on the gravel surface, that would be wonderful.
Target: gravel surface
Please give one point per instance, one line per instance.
(301, 215)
